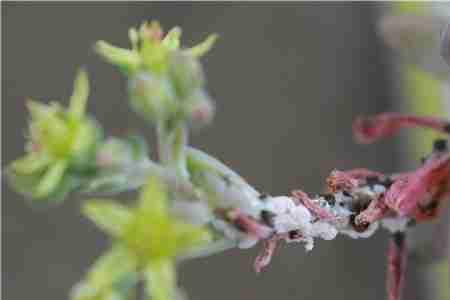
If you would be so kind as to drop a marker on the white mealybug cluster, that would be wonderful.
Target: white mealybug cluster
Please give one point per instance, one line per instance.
(289, 216)
(343, 207)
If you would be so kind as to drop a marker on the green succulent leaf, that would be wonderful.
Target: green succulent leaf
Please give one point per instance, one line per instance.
(138, 146)
(189, 237)
(51, 179)
(109, 183)
(186, 73)
(109, 216)
(31, 163)
(148, 229)
(172, 39)
(122, 165)
(146, 239)
(28, 184)
(203, 47)
(153, 199)
(160, 280)
(152, 96)
(79, 96)
(128, 61)
(110, 278)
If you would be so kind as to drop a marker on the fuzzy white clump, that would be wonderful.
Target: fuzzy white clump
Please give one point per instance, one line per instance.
(290, 216)
(279, 205)
(394, 225)
(319, 229)
(324, 230)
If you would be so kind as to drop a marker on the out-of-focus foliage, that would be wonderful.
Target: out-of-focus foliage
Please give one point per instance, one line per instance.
(425, 78)
(146, 241)
(121, 165)
(166, 82)
(413, 31)
(423, 93)
(60, 152)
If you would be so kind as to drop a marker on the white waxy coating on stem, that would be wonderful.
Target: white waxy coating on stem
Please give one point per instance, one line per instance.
(290, 216)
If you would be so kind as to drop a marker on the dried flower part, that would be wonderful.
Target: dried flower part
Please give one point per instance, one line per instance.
(363, 174)
(265, 256)
(341, 181)
(409, 193)
(376, 210)
(247, 224)
(313, 206)
(368, 130)
(396, 266)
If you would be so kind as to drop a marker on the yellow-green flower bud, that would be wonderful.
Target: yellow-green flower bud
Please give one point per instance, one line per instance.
(199, 108)
(161, 73)
(185, 72)
(152, 96)
(118, 153)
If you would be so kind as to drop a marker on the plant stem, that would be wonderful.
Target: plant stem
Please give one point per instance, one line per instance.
(172, 144)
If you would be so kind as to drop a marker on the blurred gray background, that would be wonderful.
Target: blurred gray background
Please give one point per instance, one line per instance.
(288, 79)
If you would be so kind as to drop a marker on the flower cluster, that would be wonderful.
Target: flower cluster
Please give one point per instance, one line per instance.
(60, 149)
(165, 82)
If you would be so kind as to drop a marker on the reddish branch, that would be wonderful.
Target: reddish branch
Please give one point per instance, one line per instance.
(368, 130)
(396, 266)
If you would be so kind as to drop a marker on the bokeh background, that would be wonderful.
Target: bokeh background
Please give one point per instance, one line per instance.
(287, 78)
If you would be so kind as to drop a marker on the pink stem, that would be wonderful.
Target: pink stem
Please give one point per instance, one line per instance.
(376, 210)
(396, 266)
(407, 193)
(265, 256)
(368, 130)
(249, 225)
(317, 210)
(341, 181)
